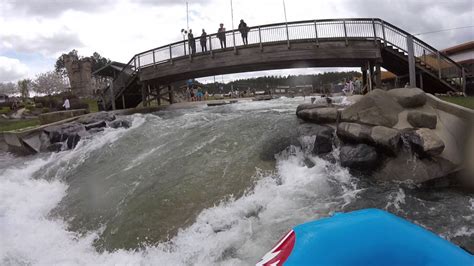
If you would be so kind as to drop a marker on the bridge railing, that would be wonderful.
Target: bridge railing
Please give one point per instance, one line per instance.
(309, 30)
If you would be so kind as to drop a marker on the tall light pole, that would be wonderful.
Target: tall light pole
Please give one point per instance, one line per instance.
(187, 16)
(232, 17)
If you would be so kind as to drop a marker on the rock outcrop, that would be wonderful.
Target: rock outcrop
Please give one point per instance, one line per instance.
(401, 134)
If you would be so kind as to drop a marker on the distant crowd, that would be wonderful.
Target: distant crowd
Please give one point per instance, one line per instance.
(221, 35)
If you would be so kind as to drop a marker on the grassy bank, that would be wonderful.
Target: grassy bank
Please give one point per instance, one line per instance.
(7, 125)
(463, 101)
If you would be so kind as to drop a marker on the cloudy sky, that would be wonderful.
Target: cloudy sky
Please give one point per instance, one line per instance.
(33, 33)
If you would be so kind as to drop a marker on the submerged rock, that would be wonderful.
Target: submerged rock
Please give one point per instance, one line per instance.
(409, 97)
(120, 123)
(419, 119)
(96, 117)
(361, 157)
(307, 106)
(60, 133)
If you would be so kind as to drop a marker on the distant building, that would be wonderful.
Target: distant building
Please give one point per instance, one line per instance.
(3, 98)
(463, 54)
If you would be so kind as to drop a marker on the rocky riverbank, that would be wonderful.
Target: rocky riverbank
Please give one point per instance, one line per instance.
(401, 134)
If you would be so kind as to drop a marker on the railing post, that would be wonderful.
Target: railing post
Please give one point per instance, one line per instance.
(154, 61)
(383, 34)
(439, 64)
(260, 38)
(135, 63)
(411, 61)
(463, 75)
(345, 31)
(424, 56)
(210, 46)
(375, 31)
(138, 56)
(171, 55)
(316, 32)
(184, 46)
(233, 38)
(287, 36)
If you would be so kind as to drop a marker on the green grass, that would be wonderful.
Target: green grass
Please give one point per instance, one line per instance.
(7, 125)
(459, 100)
(4, 110)
(93, 106)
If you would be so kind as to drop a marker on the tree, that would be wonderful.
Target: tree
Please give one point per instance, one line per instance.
(50, 83)
(8, 88)
(60, 66)
(98, 61)
(24, 86)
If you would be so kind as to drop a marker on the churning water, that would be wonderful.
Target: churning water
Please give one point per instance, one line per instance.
(209, 185)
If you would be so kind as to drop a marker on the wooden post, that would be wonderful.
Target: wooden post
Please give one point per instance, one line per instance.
(158, 94)
(439, 65)
(144, 103)
(123, 101)
(154, 61)
(260, 38)
(171, 55)
(364, 76)
(170, 94)
(411, 61)
(371, 75)
(378, 76)
(210, 46)
(112, 95)
(420, 77)
(316, 32)
(463, 74)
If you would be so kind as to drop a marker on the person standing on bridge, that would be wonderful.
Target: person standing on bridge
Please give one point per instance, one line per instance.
(192, 42)
(221, 35)
(244, 30)
(203, 41)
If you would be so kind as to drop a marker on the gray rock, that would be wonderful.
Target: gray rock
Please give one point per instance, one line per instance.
(119, 123)
(319, 115)
(95, 130)
(421, 119)
(376, 108)
(407, 167)
(387, 138)
(353, 132)
(55, 147)
(96, 117)
(409, 97)
(323, 137)
(306, 106)
(61, 133)
(99, 124)
(425, 142)
(361, 157)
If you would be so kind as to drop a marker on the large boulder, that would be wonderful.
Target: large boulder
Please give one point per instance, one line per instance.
(318, 138)
(405, 167)
(361, 157)
(387, 138)
(376, 108)
(306, 106)
(425, 142)
(319, 115)
(419, 119)
(409, 97)
(353, 132)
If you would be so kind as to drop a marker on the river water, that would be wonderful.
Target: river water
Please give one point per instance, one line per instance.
(207, 186)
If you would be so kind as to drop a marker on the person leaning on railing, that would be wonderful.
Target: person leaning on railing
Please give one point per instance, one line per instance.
(203, 41)
(221, 35)
(192, 42)
(244, 30)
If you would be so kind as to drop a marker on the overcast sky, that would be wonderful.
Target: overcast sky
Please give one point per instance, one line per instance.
(33, 33)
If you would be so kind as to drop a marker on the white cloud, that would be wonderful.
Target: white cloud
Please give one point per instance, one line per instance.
(11, 69)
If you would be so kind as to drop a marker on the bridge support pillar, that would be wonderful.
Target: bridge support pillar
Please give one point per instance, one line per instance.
(364, 77)
(420, 78)
(123, 101)
(411, 61)
(371, 76)
(112, 95)
(158, 94)
(378, 76)
(170, 94)
(144, 100)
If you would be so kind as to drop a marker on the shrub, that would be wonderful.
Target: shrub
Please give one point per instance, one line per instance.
(39, 105)
(45, 110)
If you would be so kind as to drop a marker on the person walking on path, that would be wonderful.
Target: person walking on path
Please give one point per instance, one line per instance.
(192, 42)
(203, 41)
(66, 104)
(221, 35)
(244, 30)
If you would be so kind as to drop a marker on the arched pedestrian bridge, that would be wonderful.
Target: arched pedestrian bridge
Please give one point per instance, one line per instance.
(364, 42)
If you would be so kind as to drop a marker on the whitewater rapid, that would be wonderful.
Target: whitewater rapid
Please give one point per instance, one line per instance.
(236, 229)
